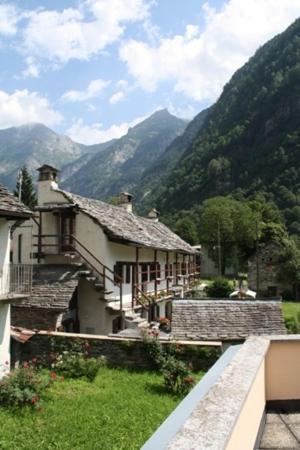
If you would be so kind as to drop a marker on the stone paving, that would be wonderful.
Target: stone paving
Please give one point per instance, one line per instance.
(282, 432)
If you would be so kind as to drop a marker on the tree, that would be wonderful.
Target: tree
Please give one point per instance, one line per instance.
(187, 230)
(228, 228)
(28, 193)
(289, 266)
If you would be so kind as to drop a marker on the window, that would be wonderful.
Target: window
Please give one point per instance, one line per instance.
(118, 272)
(128, 273)
(144, 268)
(152, 271)
(183, 268)
(19, 248)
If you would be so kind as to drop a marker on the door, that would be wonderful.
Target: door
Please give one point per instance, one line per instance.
(67, 228)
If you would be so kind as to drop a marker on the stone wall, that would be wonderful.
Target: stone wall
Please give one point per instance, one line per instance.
(34, 318)
(119, 352)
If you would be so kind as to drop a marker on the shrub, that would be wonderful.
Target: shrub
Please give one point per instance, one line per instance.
(24, 386)
(292, 325)
(77, 365)
(177, 374)
(220, 287)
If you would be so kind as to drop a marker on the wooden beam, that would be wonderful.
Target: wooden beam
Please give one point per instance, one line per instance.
(40, 237)
(168, 272)
(155, 273)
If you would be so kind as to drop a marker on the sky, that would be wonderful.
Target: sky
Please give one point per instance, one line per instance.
(91, 69)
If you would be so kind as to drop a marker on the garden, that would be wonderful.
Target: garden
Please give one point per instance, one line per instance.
(81, 403)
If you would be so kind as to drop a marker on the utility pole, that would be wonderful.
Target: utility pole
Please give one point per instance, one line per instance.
(20, 180)
(219, 249)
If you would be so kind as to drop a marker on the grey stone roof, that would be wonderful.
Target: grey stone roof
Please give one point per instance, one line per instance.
(52, 288)
(225, 319)
(125, 226)
(10, 206)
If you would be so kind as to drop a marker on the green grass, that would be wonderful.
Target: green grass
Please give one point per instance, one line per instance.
(290, 309)
(118, 411)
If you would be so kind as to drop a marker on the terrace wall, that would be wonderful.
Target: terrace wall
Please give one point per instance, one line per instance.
(118, 351)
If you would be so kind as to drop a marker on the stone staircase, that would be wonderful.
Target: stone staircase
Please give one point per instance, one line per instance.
(132, 318)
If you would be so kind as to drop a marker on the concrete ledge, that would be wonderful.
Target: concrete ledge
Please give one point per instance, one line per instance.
(173, 424)
(209, 415)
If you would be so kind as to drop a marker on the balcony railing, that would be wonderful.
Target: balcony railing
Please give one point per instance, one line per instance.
(15, 280)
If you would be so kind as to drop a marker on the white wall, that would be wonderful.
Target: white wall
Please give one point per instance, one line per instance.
(94, 318)
(4, 307)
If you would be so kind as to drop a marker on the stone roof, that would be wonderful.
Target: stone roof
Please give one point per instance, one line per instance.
(122, 225)
(52, 287)
(225, 319)
(10, 206)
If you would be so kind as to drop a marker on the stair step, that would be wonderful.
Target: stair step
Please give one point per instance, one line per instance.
(84, 272)
(91, 278)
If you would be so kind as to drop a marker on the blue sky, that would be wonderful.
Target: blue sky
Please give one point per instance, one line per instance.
(92, 68)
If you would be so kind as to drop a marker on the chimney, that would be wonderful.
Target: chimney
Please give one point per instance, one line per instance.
(153, 215)
(125, 201)
(47, 182)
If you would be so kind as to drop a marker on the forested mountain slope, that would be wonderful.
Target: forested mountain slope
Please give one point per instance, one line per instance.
(153, 178)
(250, 139)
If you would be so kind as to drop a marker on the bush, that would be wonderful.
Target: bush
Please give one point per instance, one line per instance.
(292, 325)
(24, 386)
(288, 296)
(220, 287)
(76, 365)
(177, 374)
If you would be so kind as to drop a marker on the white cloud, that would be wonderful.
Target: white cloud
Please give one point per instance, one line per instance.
(32, 69)
(116, 97)
(94, 88)
(95, 133)
(23, 107)
(200, 62)
(8, 20)
(80, 33)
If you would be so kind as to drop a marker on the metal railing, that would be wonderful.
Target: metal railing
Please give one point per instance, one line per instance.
(15, 279)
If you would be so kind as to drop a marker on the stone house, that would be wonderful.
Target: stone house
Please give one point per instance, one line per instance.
(117, 268)
(15, 279)
(262, 271)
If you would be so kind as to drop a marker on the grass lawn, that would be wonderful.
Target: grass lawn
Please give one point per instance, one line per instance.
(118, 411)
(290, 309)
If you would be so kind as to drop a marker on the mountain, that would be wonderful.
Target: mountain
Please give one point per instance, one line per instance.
(249, 142)
(70, 169)
(121, 165)
(150, 184)
(34, 145)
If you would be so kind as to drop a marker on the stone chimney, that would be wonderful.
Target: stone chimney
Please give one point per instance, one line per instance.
(153, 215)
(47, 182)
(125, 201)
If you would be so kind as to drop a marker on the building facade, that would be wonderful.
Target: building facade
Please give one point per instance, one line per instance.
(128, 267)
(15, 280)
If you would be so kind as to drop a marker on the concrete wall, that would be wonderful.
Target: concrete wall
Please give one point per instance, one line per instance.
(283, 370)
(94, 318)
(4, 288)
(249, 419)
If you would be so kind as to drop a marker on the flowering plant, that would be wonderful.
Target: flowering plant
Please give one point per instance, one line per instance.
(24, 386)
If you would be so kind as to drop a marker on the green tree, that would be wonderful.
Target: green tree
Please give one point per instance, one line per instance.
(28, 193)
(289, 266)
(228, 228)
(187, 230)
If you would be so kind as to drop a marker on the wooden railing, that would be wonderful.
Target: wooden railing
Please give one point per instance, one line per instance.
(70, 243)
